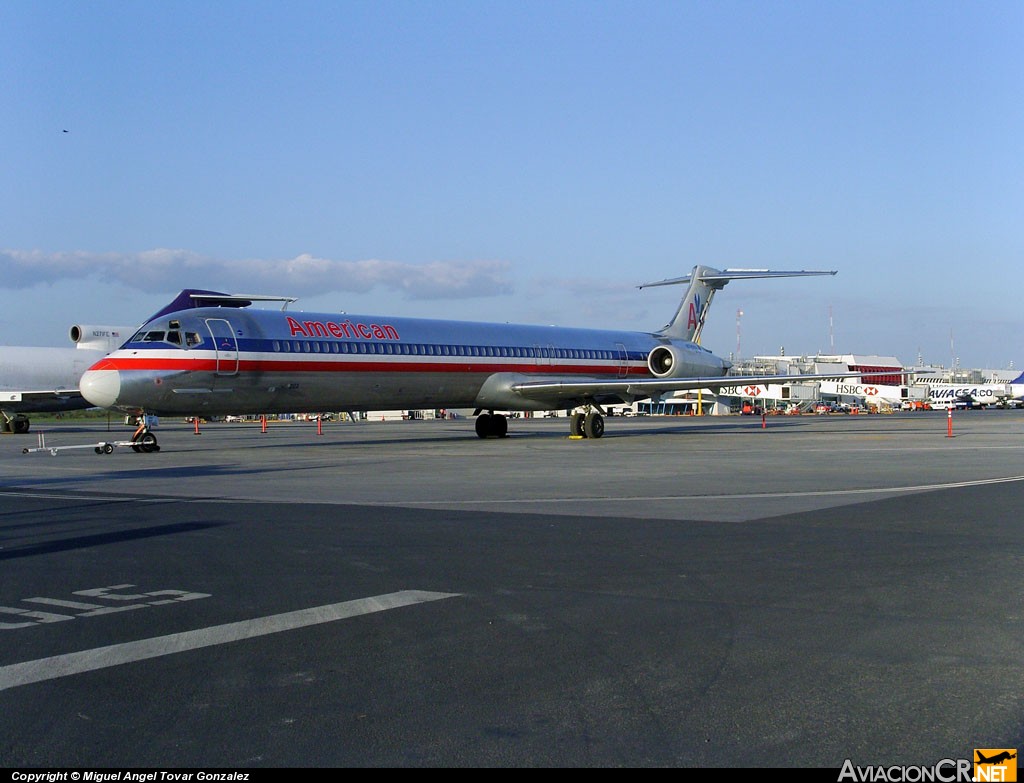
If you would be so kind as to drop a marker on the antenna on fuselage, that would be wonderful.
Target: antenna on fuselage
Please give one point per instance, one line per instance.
(238, 300)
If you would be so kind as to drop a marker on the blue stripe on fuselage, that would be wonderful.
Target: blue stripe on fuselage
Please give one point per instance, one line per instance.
(313, 333)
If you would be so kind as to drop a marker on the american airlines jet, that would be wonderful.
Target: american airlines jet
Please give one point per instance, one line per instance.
(211, 353)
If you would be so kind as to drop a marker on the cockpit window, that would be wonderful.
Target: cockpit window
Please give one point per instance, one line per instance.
(192, 338)
(174, 337)
(153, 337)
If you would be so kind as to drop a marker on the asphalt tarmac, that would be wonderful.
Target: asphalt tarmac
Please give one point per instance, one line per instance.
(791, 592)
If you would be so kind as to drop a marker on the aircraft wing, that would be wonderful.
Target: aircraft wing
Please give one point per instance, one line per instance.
(577, 391)
(51, 400)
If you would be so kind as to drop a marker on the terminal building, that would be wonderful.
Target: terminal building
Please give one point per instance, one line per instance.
(885, 385)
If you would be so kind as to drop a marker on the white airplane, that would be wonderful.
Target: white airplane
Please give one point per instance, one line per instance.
(977, 395)
(45, 380)
(207, 353)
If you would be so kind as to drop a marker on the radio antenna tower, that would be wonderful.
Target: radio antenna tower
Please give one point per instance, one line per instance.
(739, 315)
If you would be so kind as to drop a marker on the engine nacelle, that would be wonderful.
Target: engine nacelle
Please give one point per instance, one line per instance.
(668, 361)
(100, 338)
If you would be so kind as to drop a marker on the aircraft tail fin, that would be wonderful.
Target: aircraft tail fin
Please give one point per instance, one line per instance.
(688, 322)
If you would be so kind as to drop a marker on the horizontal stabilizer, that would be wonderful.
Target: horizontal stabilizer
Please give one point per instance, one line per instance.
(721, 277)
(688, 322)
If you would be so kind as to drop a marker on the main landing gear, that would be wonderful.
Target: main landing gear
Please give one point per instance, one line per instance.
(586, 425)
(491, 425)
(18, 423)
(589, 424)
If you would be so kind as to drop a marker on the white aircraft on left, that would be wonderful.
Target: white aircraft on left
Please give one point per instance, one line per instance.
(45, 380)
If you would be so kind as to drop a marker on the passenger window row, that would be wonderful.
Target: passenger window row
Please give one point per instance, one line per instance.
(420, 349)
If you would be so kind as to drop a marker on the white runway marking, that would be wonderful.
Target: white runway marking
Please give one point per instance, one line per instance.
(733, 496)
(79, 496)
(116, 654)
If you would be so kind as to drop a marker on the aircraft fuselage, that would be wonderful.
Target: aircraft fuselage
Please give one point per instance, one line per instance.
(221, 360)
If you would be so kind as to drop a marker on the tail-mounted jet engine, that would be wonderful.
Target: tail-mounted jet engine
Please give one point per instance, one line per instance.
(667, 361)
(99, 338)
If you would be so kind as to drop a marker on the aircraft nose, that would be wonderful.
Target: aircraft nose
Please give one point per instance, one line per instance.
(101, 387)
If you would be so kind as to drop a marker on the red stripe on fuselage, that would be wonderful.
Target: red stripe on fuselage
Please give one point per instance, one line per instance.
(158, 364)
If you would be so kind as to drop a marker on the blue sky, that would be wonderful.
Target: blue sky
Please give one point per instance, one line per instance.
(523, 161)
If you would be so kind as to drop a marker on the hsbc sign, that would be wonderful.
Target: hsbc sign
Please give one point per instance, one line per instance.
(857, 389)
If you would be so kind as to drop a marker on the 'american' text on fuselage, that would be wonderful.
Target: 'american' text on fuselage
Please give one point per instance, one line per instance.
(342, 329)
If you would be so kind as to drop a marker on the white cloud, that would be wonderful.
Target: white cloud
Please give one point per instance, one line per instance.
(163, 270)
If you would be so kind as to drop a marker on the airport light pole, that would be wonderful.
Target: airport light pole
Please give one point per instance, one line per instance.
(739, 315)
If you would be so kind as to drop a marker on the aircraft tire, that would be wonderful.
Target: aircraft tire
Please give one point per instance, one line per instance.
(21, 426)
(147, 443)
(483, 425)
(491, 425)
(576, 425)
(593, 425)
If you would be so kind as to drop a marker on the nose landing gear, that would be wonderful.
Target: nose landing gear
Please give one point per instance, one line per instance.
(143, 440)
